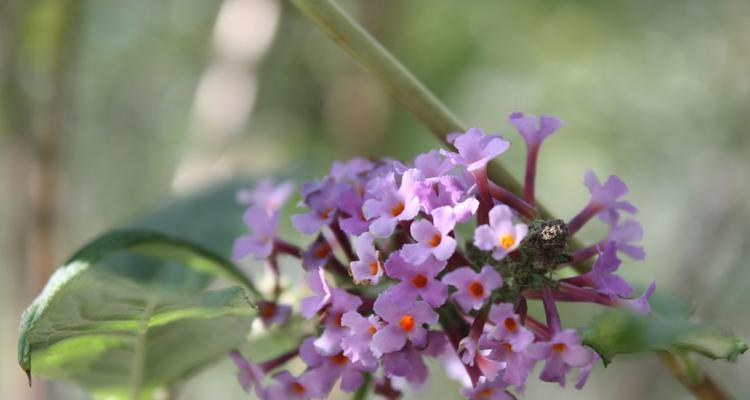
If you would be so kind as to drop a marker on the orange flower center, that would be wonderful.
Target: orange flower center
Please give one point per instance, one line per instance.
(407, 322)
(419, 281)
(338, 320)
(325, 213)
(267, 310)
(507, 346)
(559, 347)
(340, 359)
(323, 250)
(397, 209)
(486, 393)
(374, 266)
(372, 329)
(435, 240)
(299, 389)
(510, 324)
(476, 289)
(507, 241)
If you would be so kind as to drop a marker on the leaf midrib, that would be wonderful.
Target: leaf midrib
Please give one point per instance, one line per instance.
(139, 358)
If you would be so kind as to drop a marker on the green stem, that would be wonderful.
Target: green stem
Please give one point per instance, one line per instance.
(413, 95)
(364, 388)
(404, 86)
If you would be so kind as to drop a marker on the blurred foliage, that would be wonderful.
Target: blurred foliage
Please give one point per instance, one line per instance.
(655, 92)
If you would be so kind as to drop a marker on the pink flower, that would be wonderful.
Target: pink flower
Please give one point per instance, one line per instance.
(473, 288)
(501, 235)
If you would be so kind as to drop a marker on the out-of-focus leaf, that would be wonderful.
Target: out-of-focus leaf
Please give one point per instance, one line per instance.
(116, 334)
(620, 332)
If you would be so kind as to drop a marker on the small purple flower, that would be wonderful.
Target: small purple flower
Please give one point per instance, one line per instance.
(356, 344)
(501, 235)
(323, 202)
(273, 313)
(487, 390)
(406, 363)
(332, 367)
(260, 242)
(432, 164)
(602, 274)
(604, 198)
(329, 342)
(416, 281)
(433, 238)
(404, 322)
(306, 386)
(534, 130)
(351, 171)
(639, 305)
(561, 353)
(391, 204)
(354, 223)
(249, 374)
(447, 191)
(317, 254)
(266, 195)
(473, 288)
(367, 268)
(316, 281)
(585, 371)
(508, 328)
(476, 149)
(625, 233)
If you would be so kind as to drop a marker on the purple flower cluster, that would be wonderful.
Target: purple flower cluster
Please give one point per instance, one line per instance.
(408, 289)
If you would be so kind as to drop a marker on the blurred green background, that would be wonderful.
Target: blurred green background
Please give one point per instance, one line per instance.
(110, 108)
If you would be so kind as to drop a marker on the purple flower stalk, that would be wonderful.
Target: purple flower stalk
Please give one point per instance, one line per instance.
(411, 289)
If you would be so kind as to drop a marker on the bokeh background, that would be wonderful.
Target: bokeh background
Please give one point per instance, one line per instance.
(108, 109)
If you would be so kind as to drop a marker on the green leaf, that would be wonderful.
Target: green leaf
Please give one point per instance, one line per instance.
(116, 333)
(621, 332)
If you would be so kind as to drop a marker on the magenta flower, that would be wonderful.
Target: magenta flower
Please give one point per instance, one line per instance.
(404, 322)
(391, 204)
(367, 268)
(260, 242)
(306, 386)
(534, 130)
(488, 390)
(602, 275)
(323, 202)
(356, 344)
(433, 238)
(329, 342)
(473, 288)
(316, 281)
(561, 353)
(416, 281)
(501, 235)
(476, 149)
(353, 222)
(266, 195)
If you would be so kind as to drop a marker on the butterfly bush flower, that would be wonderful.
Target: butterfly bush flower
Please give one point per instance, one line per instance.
(501, 236)
(408, 286)
(260, 242)
(390, 203)
(433, 238)
(472, 288)
(417, 281)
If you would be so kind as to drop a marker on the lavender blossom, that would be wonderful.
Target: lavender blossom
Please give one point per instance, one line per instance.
(473, 289)
(404, 322)
(433, 238)
(416, 281)
(266, 195)
(501, 235)
(392, 204)
(367, 268)
(476, 149)
(260, 242)
(561, 353)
